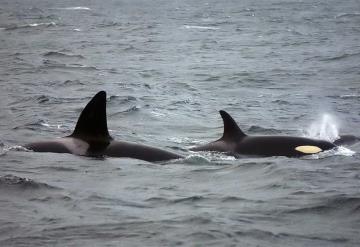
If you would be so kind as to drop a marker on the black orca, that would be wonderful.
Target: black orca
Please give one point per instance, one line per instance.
(346, 140)
(236, 142)
(91, 138)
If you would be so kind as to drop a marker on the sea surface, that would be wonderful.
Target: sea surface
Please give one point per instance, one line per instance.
(280, 67)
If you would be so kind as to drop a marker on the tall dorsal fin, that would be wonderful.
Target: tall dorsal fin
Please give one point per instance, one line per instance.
(231, 129)
(92, 124)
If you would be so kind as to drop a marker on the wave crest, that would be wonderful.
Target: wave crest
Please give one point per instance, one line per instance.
(22, 183)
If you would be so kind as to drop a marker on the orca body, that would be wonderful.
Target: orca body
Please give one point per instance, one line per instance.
(91, 138)
(347, 140)
(236, 142)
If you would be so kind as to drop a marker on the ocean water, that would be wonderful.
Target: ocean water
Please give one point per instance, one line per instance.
(281, 67)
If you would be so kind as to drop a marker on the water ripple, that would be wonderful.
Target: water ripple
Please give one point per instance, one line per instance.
(59, 54)
(19, 183)
(31, 25)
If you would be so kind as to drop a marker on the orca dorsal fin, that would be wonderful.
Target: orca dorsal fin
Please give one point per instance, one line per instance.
(92, 124)
(231, 129)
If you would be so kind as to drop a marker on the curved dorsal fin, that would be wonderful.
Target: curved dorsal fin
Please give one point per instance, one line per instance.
(92, 124)
(231, 129)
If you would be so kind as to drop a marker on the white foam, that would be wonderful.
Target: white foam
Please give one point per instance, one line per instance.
(16, 148)
(76, 8)
(200, 27)
(195, 159)
(53, 126)
(344, 151)
(39, 24)
(341, 151)
(157, 114)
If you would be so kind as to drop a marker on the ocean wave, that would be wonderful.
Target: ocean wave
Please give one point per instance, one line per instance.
(59, 168)
(43, 99)
(15, 148)
(129, 48)
(195, 220)
(262, 130)
(212, 78)
(200, 27)
(340, 57)
(208, 158)
(131, 109)
(73, 82)
(345, 96)
(232, 199)
(166, 201)
(11, 181)
(31, 25)
(61, 54)
(50, 64)
(46, 98)
(52, 198)
(347, 15)
(122, 99)
(281, 102)
(193, 200)
(196, 159)
(109, 24)
(259, 234)
(157, 200)
(190, 199)
(105, 201)
(340, 203)
(350, 96)
(30, 125)
(3, 149)
(265, 235)
(185, 200)
(40, 99)
(338, 151)
(37, 125)
(178, 140)
(75, 8)
(202, 236)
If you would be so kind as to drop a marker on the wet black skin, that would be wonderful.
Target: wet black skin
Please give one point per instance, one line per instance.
(346, 140)
(91, 138)
(235, 142)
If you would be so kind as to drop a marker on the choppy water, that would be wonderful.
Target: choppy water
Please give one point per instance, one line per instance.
(168, 66)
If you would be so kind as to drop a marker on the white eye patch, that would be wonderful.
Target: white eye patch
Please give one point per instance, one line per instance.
(308, 149)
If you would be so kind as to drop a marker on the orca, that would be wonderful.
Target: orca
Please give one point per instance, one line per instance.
(235, 142)
(91, 138)
(346, 140)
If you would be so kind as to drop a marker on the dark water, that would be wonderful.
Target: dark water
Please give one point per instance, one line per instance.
(168, 66)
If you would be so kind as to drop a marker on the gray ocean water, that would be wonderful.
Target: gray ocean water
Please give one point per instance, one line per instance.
(277, 66)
